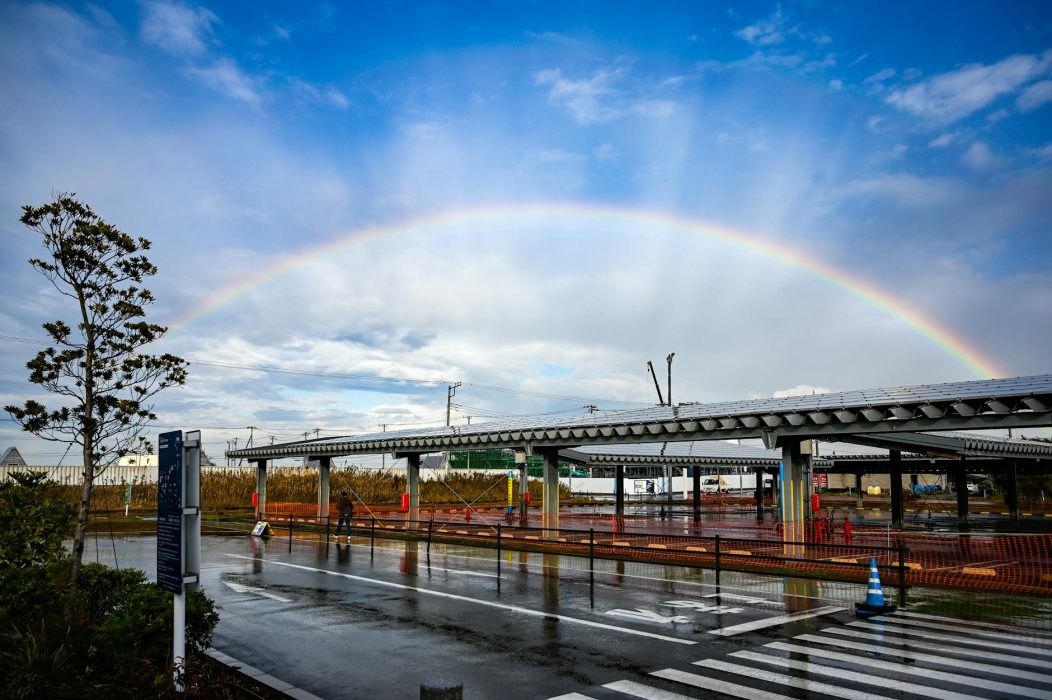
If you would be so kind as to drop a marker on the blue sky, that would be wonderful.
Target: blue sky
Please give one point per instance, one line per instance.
(906, 144)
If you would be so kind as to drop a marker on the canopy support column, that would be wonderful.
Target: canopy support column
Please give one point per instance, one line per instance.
(324, 465)
(758, 495)
(619, 491)
(696, 491)
(261, 488)
(960, 485)
(412, 478)
(1012, 491)
(794, 495)
(895, 473)
(858, 490)
(550, 505)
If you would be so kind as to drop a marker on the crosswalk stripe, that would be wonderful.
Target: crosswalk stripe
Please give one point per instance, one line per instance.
(971, 681)
(572, 696)
(738, 691)
(643, 691)
(956, 628)
(773, 621)
(947, 661)
(844, 675)
(1024, 632)
(909, 654)
(791, 681)
(971, 641)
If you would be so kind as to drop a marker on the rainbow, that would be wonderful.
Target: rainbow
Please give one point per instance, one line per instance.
(869, 293)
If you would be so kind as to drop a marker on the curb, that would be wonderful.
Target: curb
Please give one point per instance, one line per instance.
(261, 677)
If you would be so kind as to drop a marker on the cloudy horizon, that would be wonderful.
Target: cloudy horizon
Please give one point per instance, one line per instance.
(535, 200)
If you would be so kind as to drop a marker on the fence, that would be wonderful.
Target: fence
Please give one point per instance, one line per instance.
(1016, 564)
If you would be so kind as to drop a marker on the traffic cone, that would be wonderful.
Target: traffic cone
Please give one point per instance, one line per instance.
(874, 604)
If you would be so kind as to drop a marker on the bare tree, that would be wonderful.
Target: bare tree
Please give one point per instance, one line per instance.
(101, 380)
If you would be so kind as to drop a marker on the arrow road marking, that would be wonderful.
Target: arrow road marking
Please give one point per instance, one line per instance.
(241, 588)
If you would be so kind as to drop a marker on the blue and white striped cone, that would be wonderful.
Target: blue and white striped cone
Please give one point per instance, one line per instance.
(874, 604)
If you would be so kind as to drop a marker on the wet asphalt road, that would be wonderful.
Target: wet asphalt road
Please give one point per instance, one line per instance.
(350, 621)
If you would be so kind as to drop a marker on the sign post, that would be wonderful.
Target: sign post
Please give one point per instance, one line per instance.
(179, 530)
(511, 491)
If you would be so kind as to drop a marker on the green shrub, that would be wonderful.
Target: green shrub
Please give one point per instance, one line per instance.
(113, 640)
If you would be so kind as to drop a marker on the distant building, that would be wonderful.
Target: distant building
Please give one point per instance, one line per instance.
(12, 458)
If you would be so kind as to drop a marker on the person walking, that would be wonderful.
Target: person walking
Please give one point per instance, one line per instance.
(346, 508)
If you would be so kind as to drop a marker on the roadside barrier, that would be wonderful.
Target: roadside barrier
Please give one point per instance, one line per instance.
(1005, 563)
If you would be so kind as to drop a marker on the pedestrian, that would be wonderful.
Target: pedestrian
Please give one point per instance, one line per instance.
(346, 507)
(931, 522)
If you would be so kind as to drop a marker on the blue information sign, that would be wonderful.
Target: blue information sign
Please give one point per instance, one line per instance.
(170, 512)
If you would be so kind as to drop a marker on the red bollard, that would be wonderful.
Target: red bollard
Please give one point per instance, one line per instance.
(405, 502)
(847, 531)
(467, 515)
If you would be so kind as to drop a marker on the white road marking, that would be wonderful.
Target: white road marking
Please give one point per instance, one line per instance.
(572, 696)
(774, 621)
(972, 641)
(947, 661)
(1020, 631)
(466, 573)
(914, 670)
(910, 654)
(844, 675)
(241, 588)
(791, 681)
(643, 691)
(738, 691)
(957, 628)
(644, 615)
(466, 599)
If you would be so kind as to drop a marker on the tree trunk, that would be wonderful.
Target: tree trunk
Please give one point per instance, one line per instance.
(83, 514)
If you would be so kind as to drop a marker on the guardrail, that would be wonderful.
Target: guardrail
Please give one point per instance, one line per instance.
(770, 556)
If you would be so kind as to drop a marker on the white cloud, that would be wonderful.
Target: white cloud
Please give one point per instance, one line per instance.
(980, 158)
(943, 140)
(954, 95)
(903, 190)
(225, 77)
(320, 94)
(876, 123)
(766, 32)
(587, 99)
(800, 390)
(836, 84)
(823, 39)
(1035, 96)
(605, 152)
(179, 29)
(881, 75)
(997, 115)
(1042, 152)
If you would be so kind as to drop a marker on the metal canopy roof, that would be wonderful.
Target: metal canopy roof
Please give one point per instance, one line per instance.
(955, 445)
(994, 403)
(676, 454)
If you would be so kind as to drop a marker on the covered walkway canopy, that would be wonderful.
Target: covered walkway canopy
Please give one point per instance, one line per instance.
(785, 423)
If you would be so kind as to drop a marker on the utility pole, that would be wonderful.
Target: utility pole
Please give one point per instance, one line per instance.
(591, 408)
(317, 431)
(251, 431)
(469, 451)
(657, 387)
(669, 360)
(450, 393)
(383, 455)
